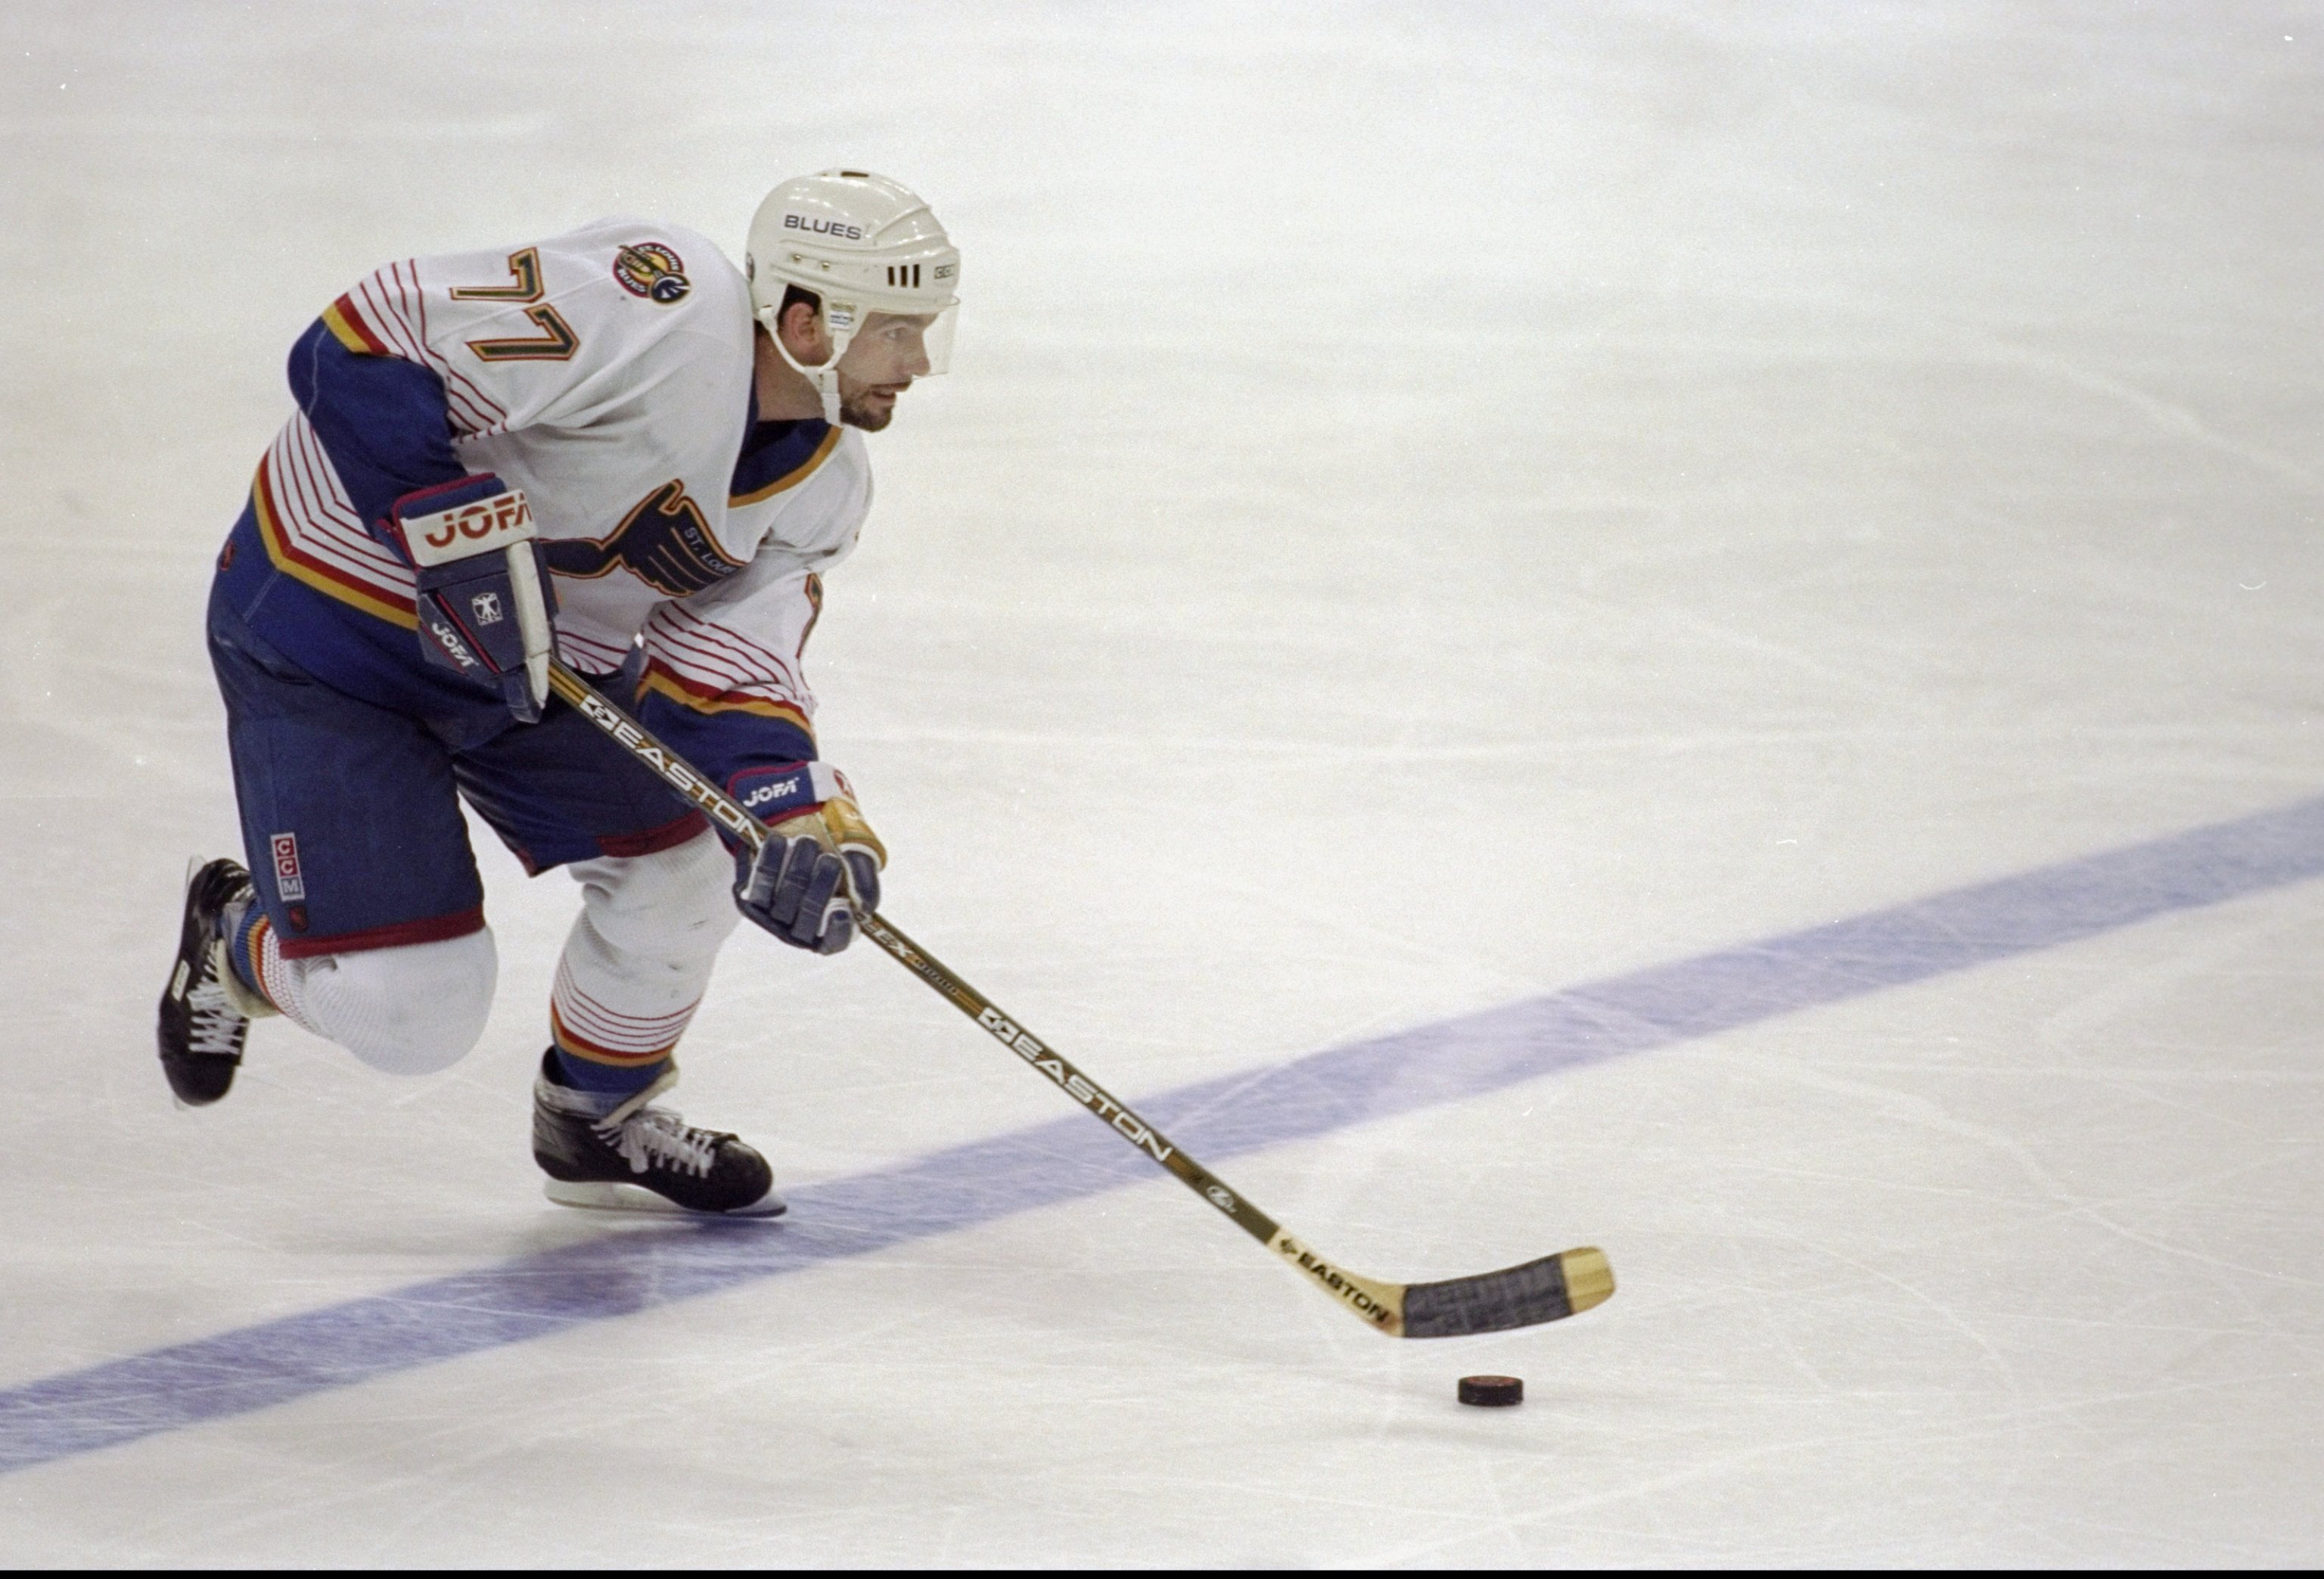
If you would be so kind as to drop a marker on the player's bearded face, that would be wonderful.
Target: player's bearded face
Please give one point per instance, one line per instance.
(881, 361)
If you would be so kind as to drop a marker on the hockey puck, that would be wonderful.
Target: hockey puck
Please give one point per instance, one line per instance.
(1492, 1392)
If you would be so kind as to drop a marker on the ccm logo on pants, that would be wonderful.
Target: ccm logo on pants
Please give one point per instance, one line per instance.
(283, 850)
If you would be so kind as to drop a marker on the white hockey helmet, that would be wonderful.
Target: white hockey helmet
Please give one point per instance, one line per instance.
(863, 244)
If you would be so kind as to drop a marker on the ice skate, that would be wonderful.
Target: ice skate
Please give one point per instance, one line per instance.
(203, 1021)
(636, 1158)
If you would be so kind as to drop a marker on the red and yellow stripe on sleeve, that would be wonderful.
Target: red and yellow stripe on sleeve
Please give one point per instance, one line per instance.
(347, 327)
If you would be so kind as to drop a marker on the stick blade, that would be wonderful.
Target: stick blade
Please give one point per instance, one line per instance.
(1549, 1289)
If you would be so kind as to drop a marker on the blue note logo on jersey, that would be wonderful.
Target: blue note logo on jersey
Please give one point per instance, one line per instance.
(664, 542)
(651, 270)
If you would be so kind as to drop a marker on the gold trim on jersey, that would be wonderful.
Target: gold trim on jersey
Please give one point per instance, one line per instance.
(701, 699)
(327, 579)
(792, 479)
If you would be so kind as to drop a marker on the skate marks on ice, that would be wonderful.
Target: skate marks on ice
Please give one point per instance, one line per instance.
(623, 1272)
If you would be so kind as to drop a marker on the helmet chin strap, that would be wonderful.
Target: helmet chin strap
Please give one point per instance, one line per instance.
(824, 378)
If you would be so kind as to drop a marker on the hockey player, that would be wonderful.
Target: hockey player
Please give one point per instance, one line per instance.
(613, 445)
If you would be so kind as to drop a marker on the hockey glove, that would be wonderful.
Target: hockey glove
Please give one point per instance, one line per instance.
(485, 596)
(820, 862)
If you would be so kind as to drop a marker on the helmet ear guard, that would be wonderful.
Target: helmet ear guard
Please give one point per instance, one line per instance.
(864, 245)
(824, 376)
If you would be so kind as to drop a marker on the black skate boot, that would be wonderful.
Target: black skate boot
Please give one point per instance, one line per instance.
(632, 1158)
(205, 1013)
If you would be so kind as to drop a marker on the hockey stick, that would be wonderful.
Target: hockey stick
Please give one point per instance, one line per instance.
(1548, 1289)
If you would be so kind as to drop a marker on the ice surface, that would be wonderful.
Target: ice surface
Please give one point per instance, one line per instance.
(1437, 513)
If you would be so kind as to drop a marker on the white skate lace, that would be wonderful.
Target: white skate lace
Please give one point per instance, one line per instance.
(657, 1138)
(213, 1020)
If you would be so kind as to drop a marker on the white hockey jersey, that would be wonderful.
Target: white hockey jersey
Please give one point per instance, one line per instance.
(607, 373)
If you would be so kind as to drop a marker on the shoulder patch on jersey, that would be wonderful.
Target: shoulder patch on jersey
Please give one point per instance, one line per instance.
(651, 269)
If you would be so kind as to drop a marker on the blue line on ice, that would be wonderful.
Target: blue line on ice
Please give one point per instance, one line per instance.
(620, 1273)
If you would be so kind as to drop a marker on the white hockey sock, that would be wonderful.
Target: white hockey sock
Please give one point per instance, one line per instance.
(407, 1011)
(639, 953)
(283, 981)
